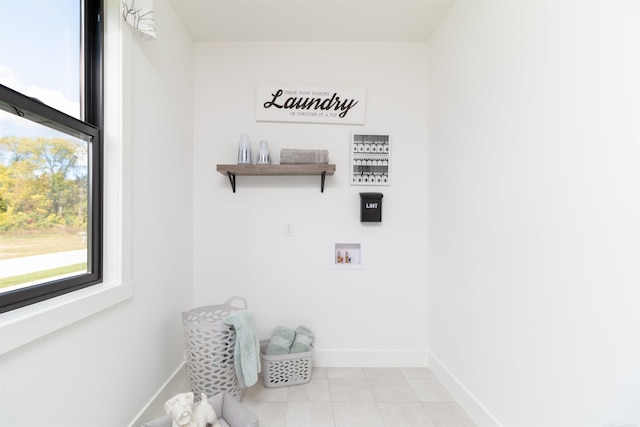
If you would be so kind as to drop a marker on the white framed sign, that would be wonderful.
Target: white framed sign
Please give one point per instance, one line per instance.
(311, 104)
(370, 159)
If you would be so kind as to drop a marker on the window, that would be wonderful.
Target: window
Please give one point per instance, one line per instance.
(51, 150)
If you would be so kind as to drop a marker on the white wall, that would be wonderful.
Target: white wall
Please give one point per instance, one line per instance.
(375, 316)
(533, 209)
(101, 371)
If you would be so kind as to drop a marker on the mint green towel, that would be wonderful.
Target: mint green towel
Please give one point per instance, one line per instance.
(280, 342)
(303, 341)
(246, 351)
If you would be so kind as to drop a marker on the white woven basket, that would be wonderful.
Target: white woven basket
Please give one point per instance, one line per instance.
(285, 369)
(209, 345)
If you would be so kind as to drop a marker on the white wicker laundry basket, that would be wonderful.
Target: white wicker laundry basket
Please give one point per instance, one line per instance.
(285, 369)
(209, 347)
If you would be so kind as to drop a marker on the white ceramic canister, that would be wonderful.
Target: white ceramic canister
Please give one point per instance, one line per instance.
(244, 150)
(264, 155)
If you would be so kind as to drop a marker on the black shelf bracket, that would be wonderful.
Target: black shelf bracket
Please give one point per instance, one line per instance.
(322, 177)
(232, 180)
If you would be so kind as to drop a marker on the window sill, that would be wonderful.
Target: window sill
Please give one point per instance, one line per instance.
(21, 326)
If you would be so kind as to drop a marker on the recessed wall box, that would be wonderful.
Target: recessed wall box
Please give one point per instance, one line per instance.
(347, 256)
(370, 207)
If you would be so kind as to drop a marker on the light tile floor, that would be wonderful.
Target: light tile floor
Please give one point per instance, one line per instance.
(358, 397)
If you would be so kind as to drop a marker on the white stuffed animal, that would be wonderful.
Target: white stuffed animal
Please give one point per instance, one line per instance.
(184, 414)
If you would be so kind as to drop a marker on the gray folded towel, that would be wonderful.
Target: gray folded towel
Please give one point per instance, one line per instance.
(303, 341)
(281, 340)
(295, 156)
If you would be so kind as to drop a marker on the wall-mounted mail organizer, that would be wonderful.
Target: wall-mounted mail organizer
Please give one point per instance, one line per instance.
(370, 159)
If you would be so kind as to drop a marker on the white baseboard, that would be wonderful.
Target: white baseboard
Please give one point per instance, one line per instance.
(369, 358)
(480, 415)
(178, 382)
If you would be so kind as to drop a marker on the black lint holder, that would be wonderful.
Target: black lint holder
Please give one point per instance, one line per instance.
(371, 207)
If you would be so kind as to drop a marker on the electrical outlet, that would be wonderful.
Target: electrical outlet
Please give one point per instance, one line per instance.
(288, 229)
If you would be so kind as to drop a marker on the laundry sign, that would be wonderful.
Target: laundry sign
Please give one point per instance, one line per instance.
(310, 104)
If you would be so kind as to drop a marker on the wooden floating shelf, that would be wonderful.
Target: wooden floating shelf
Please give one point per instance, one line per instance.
(273, 170)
